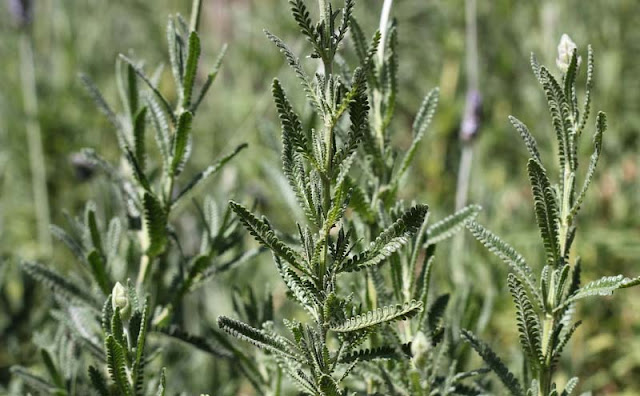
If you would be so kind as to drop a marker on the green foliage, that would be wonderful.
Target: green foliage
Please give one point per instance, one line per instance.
(371, 308)
(545, 328)
(113, 344)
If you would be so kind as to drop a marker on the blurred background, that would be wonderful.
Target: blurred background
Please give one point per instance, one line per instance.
(42, 52)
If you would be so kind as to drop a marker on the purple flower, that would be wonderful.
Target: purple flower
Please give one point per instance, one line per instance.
(472, 116)
(21, 11)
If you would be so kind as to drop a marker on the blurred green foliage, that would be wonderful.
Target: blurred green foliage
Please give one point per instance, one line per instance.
(85, 36)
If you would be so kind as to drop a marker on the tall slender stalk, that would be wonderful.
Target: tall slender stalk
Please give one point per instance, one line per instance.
(34, 140)
(468, 130)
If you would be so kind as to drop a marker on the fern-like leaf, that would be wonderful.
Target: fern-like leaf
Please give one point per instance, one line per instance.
(450, 225)
(202, 176)
(528, 138)
(34, 381)
(165, 104)
(191, 67)
(155, 219)
(181, 142)
(420, 125)
(601, 126)
(508, 255)
(390, 240)
(116, 363)
(494, 363)
(98, 382)
(259, 338)
(294, 62)
(198, 342)
(604, 286)
(380, 352)
(546, 208)
(528, 321)
(60, 285)
(263, 233)
(140, 342)
(381, 315)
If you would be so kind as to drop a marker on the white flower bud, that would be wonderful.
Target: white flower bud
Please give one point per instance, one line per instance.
(419, 349)
(565, 50)
(120, 299)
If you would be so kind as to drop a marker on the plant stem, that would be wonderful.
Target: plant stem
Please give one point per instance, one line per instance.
(465, 166)
(323, 11)
(34, 141)
(377, 95)
(196, 10)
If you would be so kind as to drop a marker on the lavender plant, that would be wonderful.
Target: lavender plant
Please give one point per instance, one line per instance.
(350, 164)
(104, 319)
(545, 305)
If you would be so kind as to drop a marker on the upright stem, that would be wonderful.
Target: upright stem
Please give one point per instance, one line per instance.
(464, 176)
(323, 11)
(34, 141)
(384, 23)
(196, 10)
(377, 95)
(464, 169)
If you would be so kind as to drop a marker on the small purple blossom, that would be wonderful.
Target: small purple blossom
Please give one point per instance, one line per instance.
(472, 116)
(21, 11)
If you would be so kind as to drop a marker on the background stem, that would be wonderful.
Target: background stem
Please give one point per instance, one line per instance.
(466, 157)
(196, 10)
(34, 141)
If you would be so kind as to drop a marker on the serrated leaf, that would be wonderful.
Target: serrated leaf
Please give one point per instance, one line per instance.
(139, 146)
(191, 67)
(508, 255)
(116, 363)
(263, 233)
(140, 342)
(259, 338)
(294, 62)
(138, 172)
(163, 383)
(528, 139)
(420, 125)
(379, 352)
(390, 240)
(604, 286)
(98, 381)
(155, 220)
(59, 284)
(210, 78)
(528, 322)
(104, 108)
(450, 225)
(165, 104)
(175, 57)
(587, 94)
(180, 142)
(601, 126)
(34, 381)
(98, 269)
(571, 384)
(546, 209)
(197, 342)
(203, 175)
(381, 315)
(494, 363)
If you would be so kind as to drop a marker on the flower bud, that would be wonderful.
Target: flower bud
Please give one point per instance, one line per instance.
(419, 349)
(565, 51)
(120, 299)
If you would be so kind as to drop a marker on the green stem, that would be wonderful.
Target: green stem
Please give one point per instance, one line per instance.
(377, 94)
(34, 141)
(196, 10)
(323, 11)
